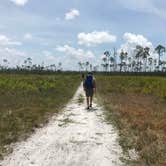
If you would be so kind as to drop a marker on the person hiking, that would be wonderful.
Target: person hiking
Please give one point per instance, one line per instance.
(83, 77)
(89, 86)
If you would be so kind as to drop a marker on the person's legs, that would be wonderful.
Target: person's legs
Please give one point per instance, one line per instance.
(91, 98)
(87, 98)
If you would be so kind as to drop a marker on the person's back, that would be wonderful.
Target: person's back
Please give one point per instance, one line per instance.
(89, 87)
(89, 82)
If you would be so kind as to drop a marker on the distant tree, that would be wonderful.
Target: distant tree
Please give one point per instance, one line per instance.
(129, 65)
(107, 62)
(80, 66)
(160, 51)
(156, 67)
(123, 56)
(139, 51)
(91, 67)
(96, 68)
(53, 67)
(125, 63)
(164, 66)
(133, 66)
(104, 64)
(145, 55)
(115, 59)
(59, 66)
(87, 65)
(29, 63)
(5, 61)
(150, 63)
(112, 63)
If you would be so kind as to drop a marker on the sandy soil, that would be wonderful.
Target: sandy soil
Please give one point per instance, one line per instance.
(76, 137)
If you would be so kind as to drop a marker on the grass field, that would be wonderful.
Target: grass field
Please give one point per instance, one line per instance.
(137, 105)
(27, 101)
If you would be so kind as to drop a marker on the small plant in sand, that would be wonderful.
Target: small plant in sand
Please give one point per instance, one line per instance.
(80, 99)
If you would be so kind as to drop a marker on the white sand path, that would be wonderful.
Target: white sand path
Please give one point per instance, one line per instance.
(76, 137)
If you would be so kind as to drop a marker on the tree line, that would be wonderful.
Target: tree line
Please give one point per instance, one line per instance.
(141, 60)
(29, 66)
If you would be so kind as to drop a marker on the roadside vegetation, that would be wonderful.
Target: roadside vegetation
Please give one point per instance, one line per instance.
(80, 98)
(27, 102)
(137, 106)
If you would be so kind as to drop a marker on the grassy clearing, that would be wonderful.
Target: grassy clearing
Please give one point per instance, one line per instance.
(137, 105)
(27, 101)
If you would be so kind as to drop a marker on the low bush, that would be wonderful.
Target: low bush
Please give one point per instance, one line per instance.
(137, 105)
(27, 101)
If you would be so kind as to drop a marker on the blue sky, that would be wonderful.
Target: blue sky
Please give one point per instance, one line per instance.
(77, 30)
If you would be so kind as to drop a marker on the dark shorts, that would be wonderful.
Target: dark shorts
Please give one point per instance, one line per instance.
(89, 92)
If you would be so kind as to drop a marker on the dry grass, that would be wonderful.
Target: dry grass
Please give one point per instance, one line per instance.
(27, 102)
(140, 116)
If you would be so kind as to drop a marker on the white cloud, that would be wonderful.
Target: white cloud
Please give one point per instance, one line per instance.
(14, 56)
(20, 2)
(28, 36)
(76, 53)
(4, 40)
(72, 14)
(48, 56)
(137, 39)
(131, 40)
(95, 38)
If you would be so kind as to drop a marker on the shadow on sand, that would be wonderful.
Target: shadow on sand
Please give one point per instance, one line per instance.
(91, 109)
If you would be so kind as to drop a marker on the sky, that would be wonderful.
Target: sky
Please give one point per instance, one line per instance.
(70, 31)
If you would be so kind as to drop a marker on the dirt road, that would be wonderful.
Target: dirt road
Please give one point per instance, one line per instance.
(76, 137)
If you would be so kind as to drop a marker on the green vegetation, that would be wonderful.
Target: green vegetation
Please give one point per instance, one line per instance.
(80, 98)
(155, 86)
(27, 101)
(137, 105)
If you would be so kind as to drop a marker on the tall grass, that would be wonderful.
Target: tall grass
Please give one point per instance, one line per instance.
(27, 101)
(137, 105)
(155, 86)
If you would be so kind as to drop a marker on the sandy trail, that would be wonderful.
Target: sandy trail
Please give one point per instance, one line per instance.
(76, 137)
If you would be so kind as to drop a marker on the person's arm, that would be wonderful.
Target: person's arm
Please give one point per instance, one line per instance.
(94, 84)
(84, 85)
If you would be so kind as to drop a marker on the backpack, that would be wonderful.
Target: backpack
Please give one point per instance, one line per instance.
(89, 82)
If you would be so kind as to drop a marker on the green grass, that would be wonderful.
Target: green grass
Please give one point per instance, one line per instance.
(27, 102)
(137, 106)
(155, 86)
